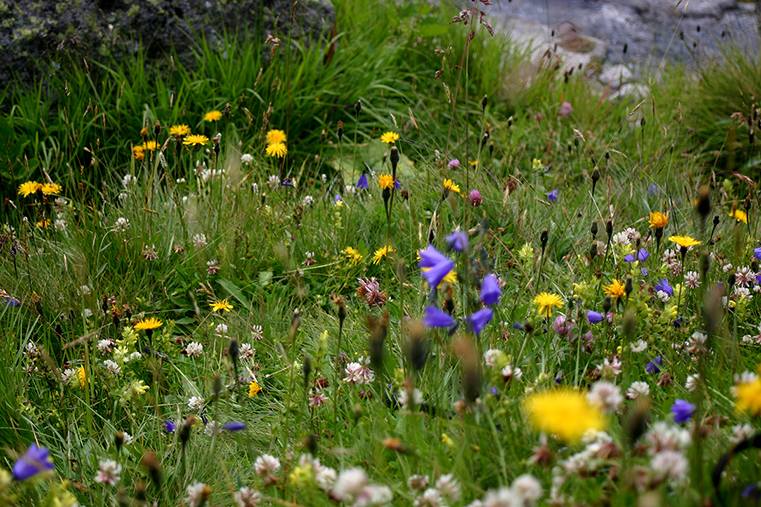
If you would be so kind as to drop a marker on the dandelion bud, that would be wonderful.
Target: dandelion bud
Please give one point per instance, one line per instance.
(593, 229)
(416, 346)
(484, 139)
(491, 147)
(607, 304)
(151, 463)
(157, 129)
(118, 441)
(609, 229)
(217, 385)
(484, 103)
(630, 324)
(394, 158)
(703, 206)
(311, 444)
(185, 431)
(593, 250)
(226, 110)
(628, 286)
(358, 107)
(341, 304)
(595, 177)
(340, 131)
(307, 369)
(544, 238)
(357, 412)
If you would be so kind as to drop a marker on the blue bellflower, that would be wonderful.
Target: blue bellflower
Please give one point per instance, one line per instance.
(490, 291)
(362, 182)
(437, 318)
(458, 241)
(594, 317)
(479, 320)
(682, 411)
(664, 286)
(553, 196)
(36, 460)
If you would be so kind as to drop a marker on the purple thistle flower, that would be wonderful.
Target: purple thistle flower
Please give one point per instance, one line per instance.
(453, 164)
(169, 426)
(682, 411)
(664, 286)
(437, 318)
(653, 366)
(436, 274)
(235, 426)
(553, 196)
(36, 460)
(362, 182)
(594, 317)
(458, 241)
(479, 319)
(431, 257)
(490, 291)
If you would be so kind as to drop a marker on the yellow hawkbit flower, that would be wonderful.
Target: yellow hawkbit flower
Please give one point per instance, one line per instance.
(684, 241)
(276, 136)
(51, 189)
(254, 389)
(278, 150)
(44, 223)
(179, 130)
(143, 131)
(563, 412)
(616, 289)
(138, 153)
(382, 253)
(658, 220)
(353, 255)
(150, 145)
(28, 188)
(390, 137)
(748, 397)
(195, 140)
(221, 305)
(451, 186)
(150, 323)
(212, 116)
(739, 215)
(545, 301)
(82, 376)
(386, 181)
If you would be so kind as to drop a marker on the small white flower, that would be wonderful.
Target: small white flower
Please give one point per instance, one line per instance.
(449, 487)
(221, 330)
(211, 428)
(69, 375)
(638, 389)
(84, 290)
(246, 497)
(503, 497)
(491, 357)
(692, 382)
(527, 488)
(605, 395)
(60, 225)
(112, 367)
(121, 225)
(670, 465)
(509, 372)
(195, 403)
(128, 180)
(255, 188)
(308, 200)
(418, 482)
(349, 483)
(741, 432)
(128, 439)
(663, 296)
(326, 478)
(109, 472)
(135, 356)
(639, 346)
(245, 351)
(199, 240)
(246, 159)
(195, 491)
(404, 397)
(194, 349)
(257, 333)
(266, 465)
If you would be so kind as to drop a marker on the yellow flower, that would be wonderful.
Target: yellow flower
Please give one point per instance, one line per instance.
(179, 130)
(616, 289)
(447, 440)
(138, 387)
(353, 255)
(137, 152)
(150, 145)
(545, 302)
(748, 396)
(28, 188)
(451, 186)
(254, 389)
(390, 137)
(474, 163)
(684, 241)
(450, 278)
(143, 131)
(276, 136)
(195, 140)
(212, 116)
(537, 165)
(221, 305)
(51, 188)
(82, 376)
(382, 253)
(44, 223)
(148, 324)
(658, 220)
(564, 413)
(739, 215)
(386, 181)
(277, 150)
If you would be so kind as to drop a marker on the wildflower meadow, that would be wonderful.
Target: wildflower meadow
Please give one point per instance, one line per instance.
(402, 264)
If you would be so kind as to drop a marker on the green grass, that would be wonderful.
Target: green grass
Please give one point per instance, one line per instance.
(89, 277)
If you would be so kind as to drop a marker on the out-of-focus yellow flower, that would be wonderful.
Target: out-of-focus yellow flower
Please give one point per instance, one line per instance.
(212, 116)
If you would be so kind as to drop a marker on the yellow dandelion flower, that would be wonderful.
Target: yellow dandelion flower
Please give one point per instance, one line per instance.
(28, 188)
(195, 140)
(390, 137)
(684, 241)
(276, 136)
(212, 116)
(138, 153)
(278, 150)
(616, 289)
(450, 278)
(739, 215)
(179, 130)
(221, 306)
(451, 186)
(545, 301)
(658, 220)
(51, 188)
(474, 163)
(148, 324)
(254, 389)
(382, 253)
(353, 255)
(563, 412)
(386, 181)
(44, 223)
(82, 376)
(748, 397)
(151, 145)
(143, 131)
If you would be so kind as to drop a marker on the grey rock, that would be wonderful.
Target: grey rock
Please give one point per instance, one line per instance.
(35, 33)
(632, 91)
(615, 75)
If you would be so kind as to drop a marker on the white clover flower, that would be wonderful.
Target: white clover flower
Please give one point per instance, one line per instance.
(121, 225)
(199, 240)
(108, 473)
(605, 395)
(638, 389)
(670, 465)
(195, 403)
(195, 492)
(326, 478)
(349, 483)
(112, 367)
(639, 346)
(266, 465)
(246, 159)
(449, 487)
(692, 382)
(194, 349)
(527, 488)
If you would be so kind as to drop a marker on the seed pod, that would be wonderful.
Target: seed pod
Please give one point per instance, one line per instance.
(704, 202)
(358, 107)
(544, 238)
(609, 229)
(484, 103)
(593, 229)
(607, 304)
(307, 369)
(151, 463)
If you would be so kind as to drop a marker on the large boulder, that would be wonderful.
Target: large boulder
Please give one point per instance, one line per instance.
(34, 33)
